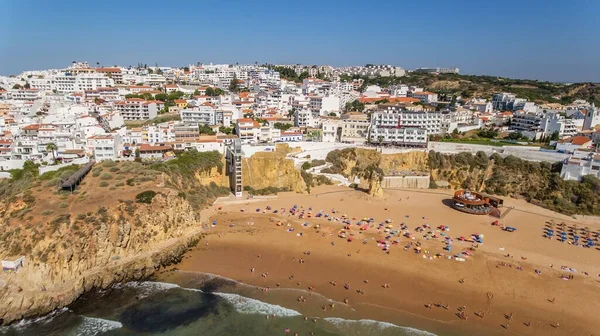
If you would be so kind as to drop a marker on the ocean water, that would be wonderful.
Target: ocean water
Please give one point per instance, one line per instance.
(195, 304)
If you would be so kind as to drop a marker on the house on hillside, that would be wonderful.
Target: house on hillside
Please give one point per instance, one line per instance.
(571, 144)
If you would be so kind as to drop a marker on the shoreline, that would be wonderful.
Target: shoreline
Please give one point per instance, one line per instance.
(415, 282)
(134, 268)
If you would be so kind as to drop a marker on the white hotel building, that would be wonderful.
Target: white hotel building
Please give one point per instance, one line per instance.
(137, 109)
(67, 83)
(392, 125)
(202, 115)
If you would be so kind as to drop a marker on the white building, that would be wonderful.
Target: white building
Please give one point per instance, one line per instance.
(247, 130)
(323, 105)
(111, 120)
(425, 97)
(67, 82)
(391, 124)
(592, 118)
(574, 168)
(329, 129)
(137, 109)
(106, 147)
(406, 136)
(304, 118)
(291, 136)
(202, 115)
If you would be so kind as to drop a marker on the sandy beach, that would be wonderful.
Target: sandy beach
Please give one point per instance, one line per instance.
(496, 290)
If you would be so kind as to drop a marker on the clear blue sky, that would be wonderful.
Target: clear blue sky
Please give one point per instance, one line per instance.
(539, 39)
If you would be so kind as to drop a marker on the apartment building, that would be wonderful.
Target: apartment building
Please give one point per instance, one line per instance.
(203, 115)
(394, 125)
(304, 118)
(27, 95)
(534, 124)
(106, 94)
(391, 115)
(137, 109)
(406, 136)
(355, 127)
(329, 130)
(105, 147)
(40, 83)
(323, 105)
(247, 130)
(115, 73)
(67, 82)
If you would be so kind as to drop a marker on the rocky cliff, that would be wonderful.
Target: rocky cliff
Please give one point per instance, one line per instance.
(272, 169)
(95, 250)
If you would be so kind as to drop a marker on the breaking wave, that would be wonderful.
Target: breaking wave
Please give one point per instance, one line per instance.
(246, 305)
(91, 326)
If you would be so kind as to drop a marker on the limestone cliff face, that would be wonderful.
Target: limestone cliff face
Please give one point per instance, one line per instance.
(125, 242)
(272, 169)
(215, 175)
(354, 160)
(411, 161)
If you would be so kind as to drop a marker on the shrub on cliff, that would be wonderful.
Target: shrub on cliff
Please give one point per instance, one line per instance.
(338, 159)
(145, 196)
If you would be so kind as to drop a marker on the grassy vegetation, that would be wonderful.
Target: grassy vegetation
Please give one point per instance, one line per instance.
(485, 86)
(160, 119)
(538, 182)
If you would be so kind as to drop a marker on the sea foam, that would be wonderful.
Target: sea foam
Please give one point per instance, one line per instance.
(246, 305)
(22, 324)
(91, 326)
(347, 325)
(145, 288)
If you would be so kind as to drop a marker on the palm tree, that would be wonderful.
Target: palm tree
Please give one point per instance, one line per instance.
(52, 147)
(97, 64)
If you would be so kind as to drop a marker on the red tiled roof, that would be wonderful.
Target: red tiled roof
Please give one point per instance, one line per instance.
(149, 148)
(580, 140)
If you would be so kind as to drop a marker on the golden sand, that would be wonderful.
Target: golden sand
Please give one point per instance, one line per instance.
(499, 280)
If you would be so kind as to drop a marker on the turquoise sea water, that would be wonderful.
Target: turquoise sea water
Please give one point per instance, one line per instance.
(199, 304)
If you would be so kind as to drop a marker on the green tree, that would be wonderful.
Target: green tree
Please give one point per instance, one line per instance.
(16, 87)
(233, 86)
(206, 130)
(306, 165)
(52, 147)
(303, 76)
(226, 130)
(27, 86)
(282, 126)
(214, 92)
(292, 113)
(355, 105)
(555, 136)
(161, 96)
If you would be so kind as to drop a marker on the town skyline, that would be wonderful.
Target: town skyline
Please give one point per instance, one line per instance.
(469, 35)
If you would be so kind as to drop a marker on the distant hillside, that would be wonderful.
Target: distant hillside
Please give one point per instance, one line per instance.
(486, 86)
